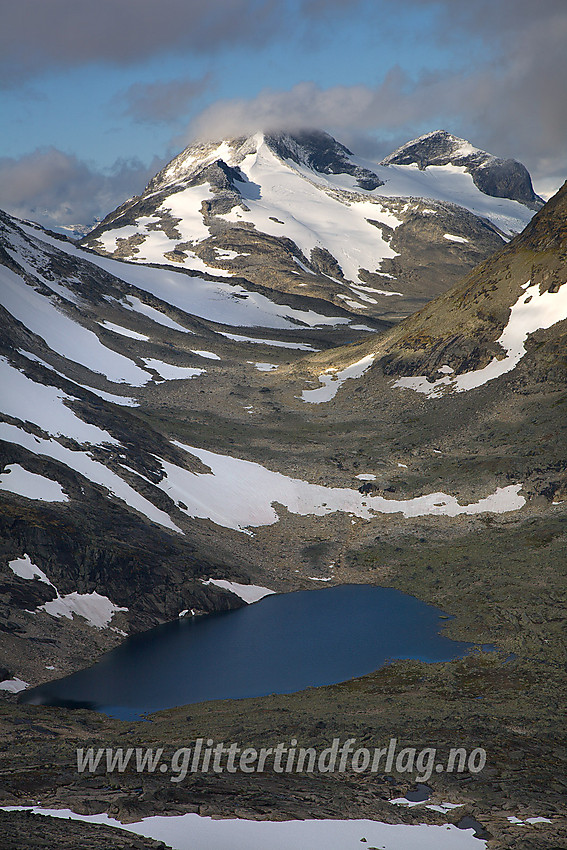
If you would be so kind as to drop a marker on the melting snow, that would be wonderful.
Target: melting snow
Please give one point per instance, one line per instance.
(16, 479)
(169, 372)
(118, 329)
(225, 254)
(303, 267)
(224, 303)
(333, 380)
(449, 183)
(513, 819)
(301, 346)
(326, 219)
(64, 335)
(195, 832)
(92, 470)
(124, 401)
(24, 568)
(451, 238)
(444, 808)
(130, 302)
(240, 494)
(532, 311)
(96, 609)
(13, 686)
(249, 592)
(265, 367)
(29, 401)
(358, 287)
(209, 355)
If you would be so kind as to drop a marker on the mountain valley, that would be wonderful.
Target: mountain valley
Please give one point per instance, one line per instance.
(283, 365)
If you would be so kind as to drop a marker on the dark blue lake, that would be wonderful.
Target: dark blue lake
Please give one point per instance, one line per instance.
(284, 643)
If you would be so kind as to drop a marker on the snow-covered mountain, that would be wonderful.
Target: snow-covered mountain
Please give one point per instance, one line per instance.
(488, 352)
(159, 426)
(500, 178)
(299, 213)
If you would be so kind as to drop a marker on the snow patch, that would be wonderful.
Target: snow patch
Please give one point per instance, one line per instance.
(195, 832)
(130, 302)
(333, 380)
(29, 401)
(122, 400)
(16, 479)
(248, 592)
(91, 469)
(519, 822)
(62, 334)
(241, 494)
(97, 610)
(226, 254)
(533, 311)
(118, 329)
(24, 568)
(13, 686)
(209, 355)
(300, 346)
(265, 367)
(225, 303)
(169, 372)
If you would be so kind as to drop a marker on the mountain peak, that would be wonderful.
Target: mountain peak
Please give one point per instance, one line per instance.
(313, 149)
(320, 152)
(432, 147)
(500, 178)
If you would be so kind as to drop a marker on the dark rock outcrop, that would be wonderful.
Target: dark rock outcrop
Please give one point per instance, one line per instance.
(499, 178)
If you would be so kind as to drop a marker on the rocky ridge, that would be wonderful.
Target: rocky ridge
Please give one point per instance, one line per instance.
(500, 178)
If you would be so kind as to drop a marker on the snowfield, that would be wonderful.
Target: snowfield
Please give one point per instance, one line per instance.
(290, 198)
(62, 334)
(29, 401)
(282, 201)
(228, 304)
(91, 469)
(240, 494)
(194, 832)
(16, 479)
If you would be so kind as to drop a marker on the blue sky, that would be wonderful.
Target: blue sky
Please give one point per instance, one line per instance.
(95, 97)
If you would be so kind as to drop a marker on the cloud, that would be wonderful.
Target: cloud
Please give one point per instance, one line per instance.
(514, 105)
(162, 102)
(39, 35)
(55, 188)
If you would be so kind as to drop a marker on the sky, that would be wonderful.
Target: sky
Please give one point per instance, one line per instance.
(95, 97)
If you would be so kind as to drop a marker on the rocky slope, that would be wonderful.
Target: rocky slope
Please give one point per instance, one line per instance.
(161, 428)
(97, 362)
(156, 437)
(301, 214)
